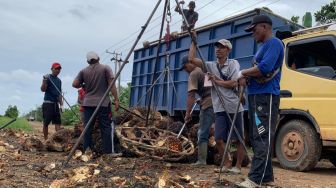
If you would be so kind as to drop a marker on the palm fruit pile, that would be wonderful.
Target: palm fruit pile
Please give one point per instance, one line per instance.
(173, 143)
(60, 140)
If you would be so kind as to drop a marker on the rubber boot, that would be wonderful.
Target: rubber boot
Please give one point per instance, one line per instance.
(202, 153)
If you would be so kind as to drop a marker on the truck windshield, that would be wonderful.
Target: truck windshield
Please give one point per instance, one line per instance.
(317, 58)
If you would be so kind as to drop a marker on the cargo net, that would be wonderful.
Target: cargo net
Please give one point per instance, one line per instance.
(158, 140)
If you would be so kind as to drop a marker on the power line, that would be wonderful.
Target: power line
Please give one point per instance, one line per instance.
(132, 34)
(150, 29)
(217, 10)
(155, 34)
(179, 20)
(252, 5)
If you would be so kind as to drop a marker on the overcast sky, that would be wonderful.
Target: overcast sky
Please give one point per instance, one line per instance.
(35, 33)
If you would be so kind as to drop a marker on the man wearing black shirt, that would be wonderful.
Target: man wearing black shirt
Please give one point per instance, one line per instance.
(52, 86)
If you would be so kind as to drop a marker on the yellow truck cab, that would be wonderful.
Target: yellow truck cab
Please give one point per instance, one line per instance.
(306, 131)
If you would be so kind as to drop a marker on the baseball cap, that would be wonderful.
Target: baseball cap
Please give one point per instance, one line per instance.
(184, 61)
(258, 19)
(91, 55)
(192, 4)
(224, 42)
(56, 65)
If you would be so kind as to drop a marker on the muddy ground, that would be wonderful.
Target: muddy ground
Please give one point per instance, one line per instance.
(19, 168)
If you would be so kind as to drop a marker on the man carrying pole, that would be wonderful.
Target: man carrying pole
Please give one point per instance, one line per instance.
(190, 14)
(97, 78)
(224, 73)
(52, 87)
(263, 97)
(192, 65)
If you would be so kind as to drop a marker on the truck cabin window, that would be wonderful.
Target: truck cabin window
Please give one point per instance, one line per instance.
(314, 58)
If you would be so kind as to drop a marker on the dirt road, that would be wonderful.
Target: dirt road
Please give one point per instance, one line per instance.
(38, 128)
(27, 169)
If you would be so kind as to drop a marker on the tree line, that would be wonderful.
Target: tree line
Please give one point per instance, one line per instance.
(69, 116)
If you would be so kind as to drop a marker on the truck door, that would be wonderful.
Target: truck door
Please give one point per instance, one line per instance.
(308, 115)
(309, 74)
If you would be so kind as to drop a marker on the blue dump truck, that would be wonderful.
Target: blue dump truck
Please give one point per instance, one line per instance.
(170, 88)
(306, 129)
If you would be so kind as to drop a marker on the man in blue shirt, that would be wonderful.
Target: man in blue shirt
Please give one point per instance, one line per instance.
(52, 98)
(263, 97)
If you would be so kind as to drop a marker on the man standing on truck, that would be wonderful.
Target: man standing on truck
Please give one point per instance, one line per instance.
(224, 74)
(263, 98)
(193, 65)
(52, 88)
(97, 78)
(190, 15)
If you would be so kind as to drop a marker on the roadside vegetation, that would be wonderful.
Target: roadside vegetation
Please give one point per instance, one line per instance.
(20, 124)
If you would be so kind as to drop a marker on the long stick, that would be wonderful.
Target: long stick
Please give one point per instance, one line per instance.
(204, 69)
(156, 59)
(230, 132)
(193, 108)
(8, 124)
(129, 111)
(63, 98)
(112, 135)
(112, 83)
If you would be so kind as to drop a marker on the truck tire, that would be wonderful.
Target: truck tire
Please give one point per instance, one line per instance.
(298, 146)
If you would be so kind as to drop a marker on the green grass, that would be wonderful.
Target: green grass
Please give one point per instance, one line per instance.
(20, 124)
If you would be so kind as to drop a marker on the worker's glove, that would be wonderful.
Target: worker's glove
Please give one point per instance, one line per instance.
(45, 77)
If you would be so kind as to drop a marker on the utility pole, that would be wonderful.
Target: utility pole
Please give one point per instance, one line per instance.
(117, 60)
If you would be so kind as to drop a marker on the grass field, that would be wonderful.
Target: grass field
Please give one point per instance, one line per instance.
(19, 124)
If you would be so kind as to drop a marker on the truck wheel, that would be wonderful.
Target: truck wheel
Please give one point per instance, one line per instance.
(298, 146)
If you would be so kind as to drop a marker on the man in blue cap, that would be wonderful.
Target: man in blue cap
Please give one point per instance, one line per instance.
(263, 98)
(193, 65)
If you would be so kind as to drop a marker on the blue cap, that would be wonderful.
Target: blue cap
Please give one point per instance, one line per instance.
(184, 61)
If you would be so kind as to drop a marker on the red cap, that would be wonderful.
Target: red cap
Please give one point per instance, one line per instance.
(56, 65)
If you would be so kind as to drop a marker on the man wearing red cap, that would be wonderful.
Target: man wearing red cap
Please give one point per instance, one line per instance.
(52, 88)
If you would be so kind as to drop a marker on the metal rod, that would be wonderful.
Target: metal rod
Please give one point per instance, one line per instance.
(156, 60)
(129, 111)
(8, 124)
(63, 97)
(193, 108)
(234, 128)
(230, 132)
(112, 135)
(111, 84)
(139, 101)
(205, 69)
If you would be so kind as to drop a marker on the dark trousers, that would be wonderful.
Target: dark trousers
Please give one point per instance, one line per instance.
(51, 113)
(104, 124)
(261, 132)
